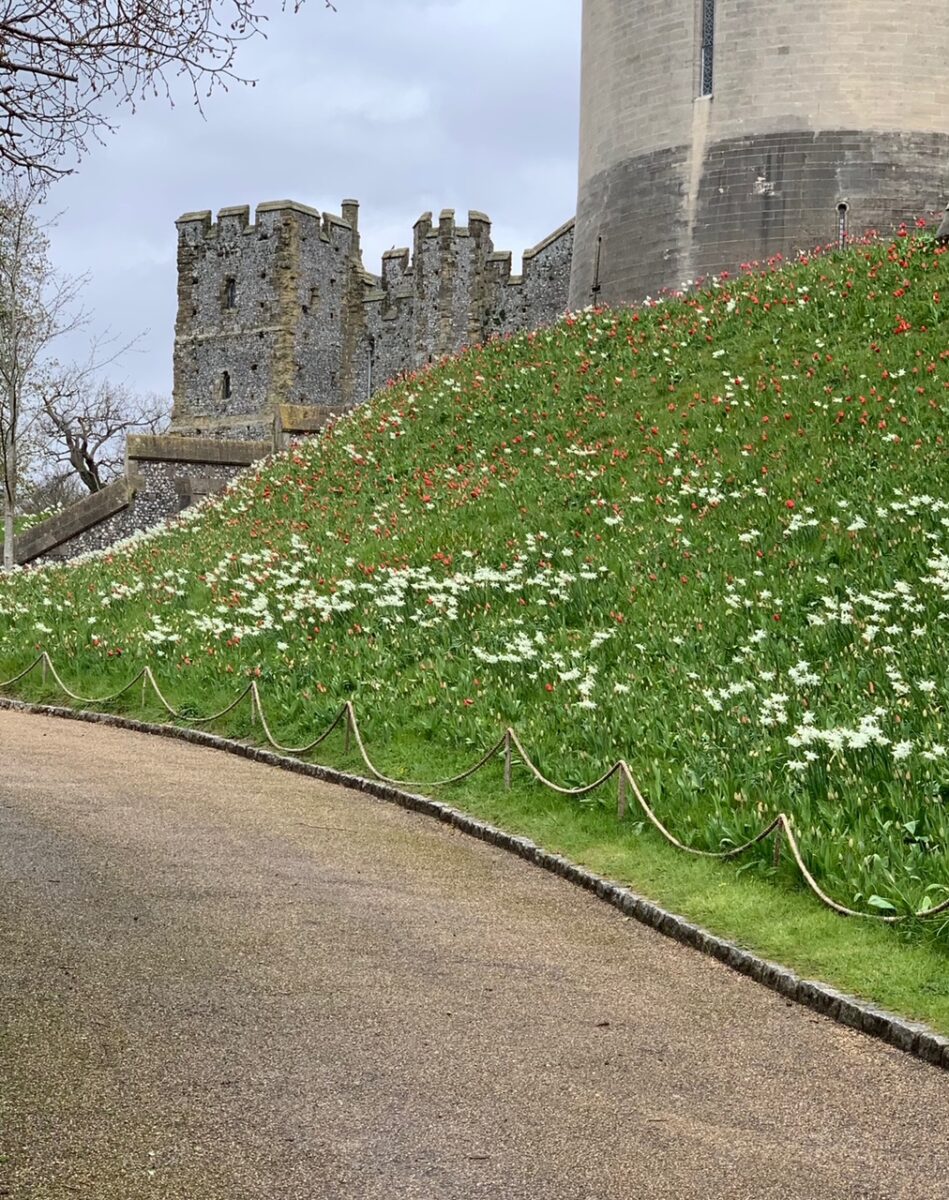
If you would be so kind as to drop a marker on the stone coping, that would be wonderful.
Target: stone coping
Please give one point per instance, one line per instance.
(550, 239)
(76, 519)
(307, 418)
(913, 1037)
(210, 451)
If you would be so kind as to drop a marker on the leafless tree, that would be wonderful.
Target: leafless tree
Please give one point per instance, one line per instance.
(83, 424)
(67, 65)
(37, 306)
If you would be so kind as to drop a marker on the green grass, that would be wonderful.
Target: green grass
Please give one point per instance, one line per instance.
(710, 537)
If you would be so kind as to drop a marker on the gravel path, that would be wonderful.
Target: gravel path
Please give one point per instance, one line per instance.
(219, 981)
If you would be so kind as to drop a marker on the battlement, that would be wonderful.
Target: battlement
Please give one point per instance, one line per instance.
(398, 265)
(234, 222)
(277, 315)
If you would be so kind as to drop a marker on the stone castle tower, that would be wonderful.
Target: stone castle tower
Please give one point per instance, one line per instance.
(280, 326)
(715, 132)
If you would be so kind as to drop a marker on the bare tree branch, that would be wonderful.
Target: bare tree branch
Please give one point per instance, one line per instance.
(84, 423)
(65, 66)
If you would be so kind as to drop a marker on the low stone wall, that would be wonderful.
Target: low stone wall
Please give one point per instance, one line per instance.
(95, 511)
(164, 475)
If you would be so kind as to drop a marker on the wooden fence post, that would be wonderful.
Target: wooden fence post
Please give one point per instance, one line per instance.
(508, 759)
(622, 804)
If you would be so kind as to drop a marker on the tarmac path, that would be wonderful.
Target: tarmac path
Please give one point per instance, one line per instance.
(220, 981)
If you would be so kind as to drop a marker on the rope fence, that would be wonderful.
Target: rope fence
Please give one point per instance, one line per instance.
(780, 828)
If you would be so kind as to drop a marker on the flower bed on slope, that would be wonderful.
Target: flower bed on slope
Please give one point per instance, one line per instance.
(710, 537)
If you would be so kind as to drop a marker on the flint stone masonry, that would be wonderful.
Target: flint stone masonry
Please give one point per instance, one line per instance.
(164, 475)
(279, 321)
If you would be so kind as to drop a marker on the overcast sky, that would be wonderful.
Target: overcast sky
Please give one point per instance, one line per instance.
(405, 105)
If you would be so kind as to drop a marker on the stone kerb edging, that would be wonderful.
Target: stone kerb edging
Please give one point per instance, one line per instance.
(913, 1037)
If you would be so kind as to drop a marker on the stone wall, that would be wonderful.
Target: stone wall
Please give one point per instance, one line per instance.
(813, 104)
(280, 330)
(282, 311)
(536, 296)
(163, 476)
(104, 510)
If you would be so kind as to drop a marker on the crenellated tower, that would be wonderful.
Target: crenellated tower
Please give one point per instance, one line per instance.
(715, 132)
(280, 326)
(263, 315)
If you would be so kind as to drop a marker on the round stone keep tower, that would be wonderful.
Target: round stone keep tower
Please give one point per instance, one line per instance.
(715, 132)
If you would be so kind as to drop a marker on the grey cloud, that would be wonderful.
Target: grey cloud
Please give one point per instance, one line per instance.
(404, 104)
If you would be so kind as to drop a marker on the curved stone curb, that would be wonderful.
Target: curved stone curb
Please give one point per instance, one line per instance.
(911, 1036)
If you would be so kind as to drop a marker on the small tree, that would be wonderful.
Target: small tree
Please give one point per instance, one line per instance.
(83, 425)
(37, 305)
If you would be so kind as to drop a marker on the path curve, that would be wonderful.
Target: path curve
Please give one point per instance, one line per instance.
(221, 980)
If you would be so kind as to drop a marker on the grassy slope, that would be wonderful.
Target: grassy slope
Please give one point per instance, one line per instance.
(684, 536)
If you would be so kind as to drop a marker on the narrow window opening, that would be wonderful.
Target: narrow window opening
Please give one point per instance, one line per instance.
(595, 289)
(230, 292)
(843, 224)
(707, 66)
(226, 386)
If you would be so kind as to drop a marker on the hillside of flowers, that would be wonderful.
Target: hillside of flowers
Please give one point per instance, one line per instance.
(710, 536)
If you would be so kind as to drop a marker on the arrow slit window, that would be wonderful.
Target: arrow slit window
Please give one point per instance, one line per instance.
(707, 61)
